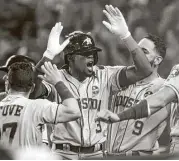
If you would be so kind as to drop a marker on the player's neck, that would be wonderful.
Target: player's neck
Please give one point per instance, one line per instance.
(17, 93)
(151, 77)
(76, 74)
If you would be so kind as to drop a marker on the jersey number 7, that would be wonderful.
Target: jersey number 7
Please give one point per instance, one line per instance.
(13, 127)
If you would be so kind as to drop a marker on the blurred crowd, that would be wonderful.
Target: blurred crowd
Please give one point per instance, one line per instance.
(25, 26)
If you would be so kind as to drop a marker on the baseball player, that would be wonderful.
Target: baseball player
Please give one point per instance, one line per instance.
(44, 85)
(13, 59)
(21, 118)
(139, 137)
(21, 58)
(91, 86)
(167, 94)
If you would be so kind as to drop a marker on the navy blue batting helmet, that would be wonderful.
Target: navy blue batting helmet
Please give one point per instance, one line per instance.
(81, 44)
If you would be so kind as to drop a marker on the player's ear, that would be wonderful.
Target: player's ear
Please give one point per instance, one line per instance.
(70, 58)
(158, 60)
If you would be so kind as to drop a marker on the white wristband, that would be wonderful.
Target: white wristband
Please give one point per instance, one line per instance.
(126, 36)
(48, 54)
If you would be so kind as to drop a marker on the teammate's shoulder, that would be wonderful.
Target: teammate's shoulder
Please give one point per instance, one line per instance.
(2, 95)
(158, 80)
(174, 71)
(156, 84)
(175, 66)
(40, 101)
(104, 67)
(99, 67)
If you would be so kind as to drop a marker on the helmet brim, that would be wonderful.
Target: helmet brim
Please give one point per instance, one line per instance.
(96, 49)
(3, 68)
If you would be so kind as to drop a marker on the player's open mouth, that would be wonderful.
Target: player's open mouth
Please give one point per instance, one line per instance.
(90, 64)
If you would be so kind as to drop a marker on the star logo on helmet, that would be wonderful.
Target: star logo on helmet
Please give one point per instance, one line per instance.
(87, 41)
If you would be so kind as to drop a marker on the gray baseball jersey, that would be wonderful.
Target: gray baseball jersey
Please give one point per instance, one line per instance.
(92, 95)
(140, 134)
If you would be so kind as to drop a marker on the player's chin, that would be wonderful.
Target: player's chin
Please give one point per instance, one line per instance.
(89, 73)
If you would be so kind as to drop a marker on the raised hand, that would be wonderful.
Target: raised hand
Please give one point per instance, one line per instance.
(53, 46)
(117, 23)
(51, 73)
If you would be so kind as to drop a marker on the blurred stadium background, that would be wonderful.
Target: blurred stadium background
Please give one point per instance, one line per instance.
(25, 26)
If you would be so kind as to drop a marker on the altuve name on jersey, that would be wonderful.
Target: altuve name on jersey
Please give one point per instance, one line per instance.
(11, 110)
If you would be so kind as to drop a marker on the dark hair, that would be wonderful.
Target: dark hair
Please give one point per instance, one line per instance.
(21, 76)
(159, 44)
(16, 58)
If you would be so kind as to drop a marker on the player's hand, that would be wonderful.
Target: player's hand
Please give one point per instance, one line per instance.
(53, 46)
(107, 116)
(117, 23)
(51, 73)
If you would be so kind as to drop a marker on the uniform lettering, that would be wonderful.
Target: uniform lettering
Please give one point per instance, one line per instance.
(84, 102)
(130, 102)
(99, 105)
(90, 103)
(18, 111)
(136, 101)
(125, 101)
(5, 110)
(11, 110)
(94, 104)
(119, 100)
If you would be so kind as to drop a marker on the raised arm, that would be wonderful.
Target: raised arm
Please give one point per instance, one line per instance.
(69, 109)
(145, 108)
(53, 48)
(117, 25)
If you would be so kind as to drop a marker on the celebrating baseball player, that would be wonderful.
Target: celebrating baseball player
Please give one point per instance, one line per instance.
(139, 137)
(168, 93)
(21, 58)
(91, 85)
(13, 59)
(21, 118)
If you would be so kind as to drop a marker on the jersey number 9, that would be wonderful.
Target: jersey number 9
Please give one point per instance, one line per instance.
(138, 127)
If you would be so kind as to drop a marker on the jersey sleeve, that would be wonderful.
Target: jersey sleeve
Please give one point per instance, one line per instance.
(173, 79)
(45, 111)
(49, 112)
(113, 74)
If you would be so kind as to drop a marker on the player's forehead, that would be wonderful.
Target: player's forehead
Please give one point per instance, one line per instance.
(146, 44)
